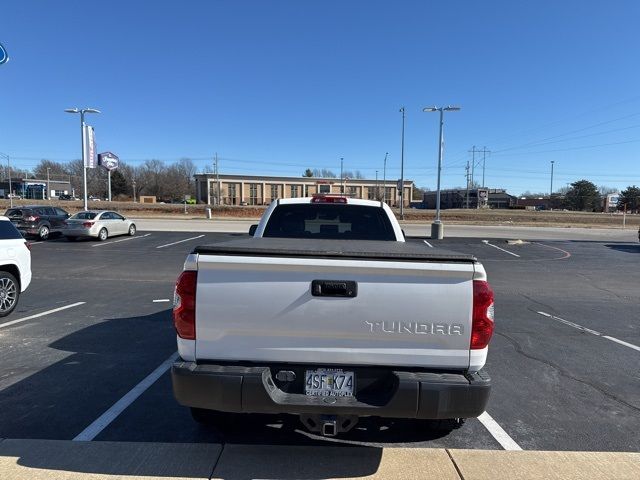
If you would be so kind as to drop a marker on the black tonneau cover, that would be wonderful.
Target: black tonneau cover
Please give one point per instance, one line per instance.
(354, 249)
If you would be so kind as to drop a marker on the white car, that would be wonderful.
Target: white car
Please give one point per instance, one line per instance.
(15, 266)
(100, 224)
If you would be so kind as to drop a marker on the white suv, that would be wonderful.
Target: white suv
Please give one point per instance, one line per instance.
(15, 266)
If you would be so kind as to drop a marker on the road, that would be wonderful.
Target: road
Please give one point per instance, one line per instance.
(410, 229)
(82, 351)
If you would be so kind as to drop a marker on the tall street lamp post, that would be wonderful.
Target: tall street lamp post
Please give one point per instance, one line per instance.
(402, 169)
(384, 178)
(437, 229)
(82, 111)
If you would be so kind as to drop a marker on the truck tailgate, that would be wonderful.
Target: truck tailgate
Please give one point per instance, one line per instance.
(262, 309)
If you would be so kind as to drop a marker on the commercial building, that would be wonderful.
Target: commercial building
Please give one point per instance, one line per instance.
(35, 189)
(262, 190)
(478, 198)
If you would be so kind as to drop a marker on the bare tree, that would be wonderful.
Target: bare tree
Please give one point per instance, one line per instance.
(57, 170)
(324, 173)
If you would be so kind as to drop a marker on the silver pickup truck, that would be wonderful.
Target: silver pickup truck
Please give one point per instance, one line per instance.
(327, 313)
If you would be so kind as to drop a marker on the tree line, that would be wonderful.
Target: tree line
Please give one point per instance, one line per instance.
(583, 195)
(166, 181)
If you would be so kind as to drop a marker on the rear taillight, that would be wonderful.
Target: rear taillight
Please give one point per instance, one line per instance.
(184, 305)
(88, 224)
(482, 326)
(32, 218)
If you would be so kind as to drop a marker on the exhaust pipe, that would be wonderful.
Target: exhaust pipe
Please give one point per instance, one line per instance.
(329, 428)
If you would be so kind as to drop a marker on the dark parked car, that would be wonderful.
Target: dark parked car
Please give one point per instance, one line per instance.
(38, 220)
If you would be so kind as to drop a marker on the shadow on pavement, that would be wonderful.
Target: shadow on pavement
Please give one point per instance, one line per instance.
(20, 458)
(105, 361)
(257, 429)
(624, 247)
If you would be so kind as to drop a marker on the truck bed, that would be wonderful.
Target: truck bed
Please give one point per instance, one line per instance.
(414, 251)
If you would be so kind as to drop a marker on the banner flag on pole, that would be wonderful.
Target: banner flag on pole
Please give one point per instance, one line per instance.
(91, 159)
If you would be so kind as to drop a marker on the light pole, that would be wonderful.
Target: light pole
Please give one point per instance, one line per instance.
(9, 174)
(402, 169)
(551, 187)
(341, 176)
(384, 178)
(82, 111)
(437, 230)
(48, 188)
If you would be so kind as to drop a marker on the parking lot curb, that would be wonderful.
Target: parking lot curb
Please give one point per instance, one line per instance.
(548, 465)
(68, 460)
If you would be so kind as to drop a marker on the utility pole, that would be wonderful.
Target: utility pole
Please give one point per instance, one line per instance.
(484, 152)
(134, 191)
(384, 179)
(551, 187)
(9, 172)
(377, 188)
(48, 189)
(341, 176)
(401, 191)
(473, 162)
(467, 176)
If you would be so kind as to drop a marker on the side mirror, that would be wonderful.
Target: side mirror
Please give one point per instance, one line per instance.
(252, 230)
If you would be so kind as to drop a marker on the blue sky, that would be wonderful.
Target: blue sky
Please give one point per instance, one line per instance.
(276, 86)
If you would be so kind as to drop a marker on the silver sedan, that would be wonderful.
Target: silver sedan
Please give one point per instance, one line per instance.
(100, 224)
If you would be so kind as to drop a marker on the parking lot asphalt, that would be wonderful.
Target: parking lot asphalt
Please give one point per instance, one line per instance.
(564, 358)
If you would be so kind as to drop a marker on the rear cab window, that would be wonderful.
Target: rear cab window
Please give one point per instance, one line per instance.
(329, 221)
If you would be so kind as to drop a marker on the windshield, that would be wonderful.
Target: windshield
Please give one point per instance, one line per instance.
(330, 221)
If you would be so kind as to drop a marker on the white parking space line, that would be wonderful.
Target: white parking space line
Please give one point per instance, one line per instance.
(626, 344)
(428, 243)
(486, 242)
(180, 241)
(588, 330)
(121, 240)
(104, 420)
(498, 432)
(162, 300)
(41, 314)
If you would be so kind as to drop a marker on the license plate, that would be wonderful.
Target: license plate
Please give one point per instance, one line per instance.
(325, 382)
